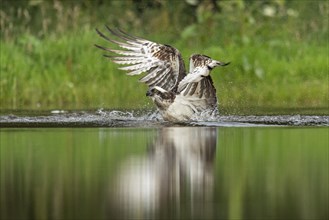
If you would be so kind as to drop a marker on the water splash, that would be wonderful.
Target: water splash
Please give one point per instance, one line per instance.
(139, 115)
(142, 118)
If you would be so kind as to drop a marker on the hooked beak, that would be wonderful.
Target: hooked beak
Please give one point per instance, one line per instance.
(222, 64)
(215, 63)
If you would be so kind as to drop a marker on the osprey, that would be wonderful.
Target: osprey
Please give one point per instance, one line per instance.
(177, 94)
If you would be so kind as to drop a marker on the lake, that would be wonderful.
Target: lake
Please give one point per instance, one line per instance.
(205, 170)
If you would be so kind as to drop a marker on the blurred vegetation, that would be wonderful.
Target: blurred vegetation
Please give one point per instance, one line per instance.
(278, 49)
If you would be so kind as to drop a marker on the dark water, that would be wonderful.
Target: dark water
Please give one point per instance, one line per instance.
(125, 166)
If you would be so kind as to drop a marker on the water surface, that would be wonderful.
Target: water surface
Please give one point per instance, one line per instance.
(162, 172)
(101, 118)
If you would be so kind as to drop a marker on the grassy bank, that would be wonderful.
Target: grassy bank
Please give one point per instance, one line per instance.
(275, 62)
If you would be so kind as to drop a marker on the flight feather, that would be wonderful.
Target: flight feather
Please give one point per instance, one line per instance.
(163, 64)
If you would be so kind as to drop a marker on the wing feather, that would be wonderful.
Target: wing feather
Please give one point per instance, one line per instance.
(126, 62)
(125, 53)
(164, 80)
(202, 92)
(162, 63)
(186, 91)
(158, 79)
(139, 71)
(193, 88)
(139, 66)
(202, 88)
(151, 74)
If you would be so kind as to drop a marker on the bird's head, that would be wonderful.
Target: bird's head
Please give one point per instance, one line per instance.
(199, 60)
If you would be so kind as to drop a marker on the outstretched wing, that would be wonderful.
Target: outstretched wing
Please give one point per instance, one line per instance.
(162, 63)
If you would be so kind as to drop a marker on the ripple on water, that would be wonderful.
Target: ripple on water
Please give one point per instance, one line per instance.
(114, 118)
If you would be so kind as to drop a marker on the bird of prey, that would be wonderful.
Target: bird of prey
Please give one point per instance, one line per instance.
(178, 94)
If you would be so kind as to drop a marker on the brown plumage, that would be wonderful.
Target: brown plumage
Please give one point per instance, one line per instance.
(176, 94)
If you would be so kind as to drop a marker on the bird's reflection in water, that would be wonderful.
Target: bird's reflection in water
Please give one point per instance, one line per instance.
(174, 179)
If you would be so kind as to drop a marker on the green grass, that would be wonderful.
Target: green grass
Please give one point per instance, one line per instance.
(68, 73)
(275, 63)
